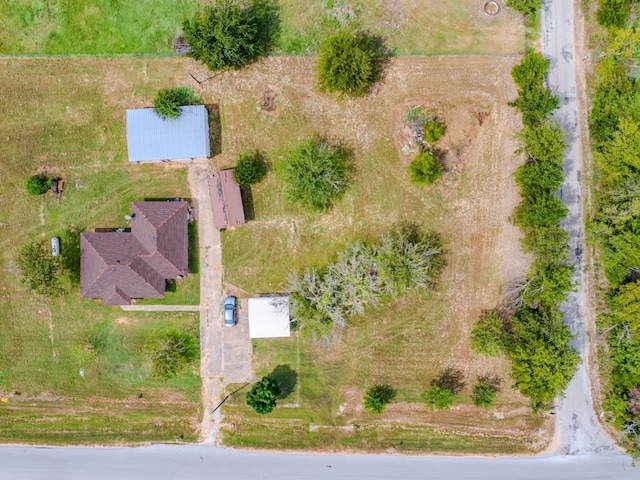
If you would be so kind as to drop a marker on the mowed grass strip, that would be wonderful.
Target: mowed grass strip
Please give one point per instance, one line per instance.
(320, 413)
(64, 422)
(65, 118)
(372, 437)
(149, 26)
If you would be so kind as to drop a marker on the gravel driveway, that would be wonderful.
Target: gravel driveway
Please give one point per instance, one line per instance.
(225, 352)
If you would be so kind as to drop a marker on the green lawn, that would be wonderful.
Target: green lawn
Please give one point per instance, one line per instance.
(149, 26)
(92, 26)
(66, 119)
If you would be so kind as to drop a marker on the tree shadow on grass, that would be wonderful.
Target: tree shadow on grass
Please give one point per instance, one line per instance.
(193, 252)
(247, 203)
(286, 378)
(215, 129)
(451, 379)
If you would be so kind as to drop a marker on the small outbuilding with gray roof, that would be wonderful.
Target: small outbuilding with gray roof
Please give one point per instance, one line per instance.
(150, 138)
(269, 317)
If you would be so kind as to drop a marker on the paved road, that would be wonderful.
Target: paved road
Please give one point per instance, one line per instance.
(203, 462)
(577, 428)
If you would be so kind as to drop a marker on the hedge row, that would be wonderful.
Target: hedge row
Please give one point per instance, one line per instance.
(533, 334)
(615, 230)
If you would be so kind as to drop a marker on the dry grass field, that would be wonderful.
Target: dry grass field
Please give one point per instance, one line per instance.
(407, 342)
(411, 26)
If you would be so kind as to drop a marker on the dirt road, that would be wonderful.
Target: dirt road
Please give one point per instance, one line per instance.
(578, 431)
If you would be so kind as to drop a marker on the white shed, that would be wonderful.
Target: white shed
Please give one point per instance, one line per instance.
(269, 317)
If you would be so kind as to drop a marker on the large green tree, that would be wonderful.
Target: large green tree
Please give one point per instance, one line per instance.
(232, 33)
(317, 173)
(263, 395)
(542, 362)
(613, 13)
(350, 62)
(40, 270)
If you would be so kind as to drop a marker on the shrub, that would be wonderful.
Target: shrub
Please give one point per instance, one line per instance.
(350, 62)
(425, 125)
(488, 336)
(250, 168)
(527, 7)
(547, 244)
(168, 101)
(425, 168)
(40, 270)
(232, 33)
(263, 395)
(317, 173)
(434, 130)
(377, 398)
(616, 97)
(539, 178)
(484, 392)
(407, 260)
(537, 341)
(438, 398)
(37, 184)
(171, 353)
(530, 72)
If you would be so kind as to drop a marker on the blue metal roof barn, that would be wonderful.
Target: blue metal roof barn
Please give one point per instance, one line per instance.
(152, 139)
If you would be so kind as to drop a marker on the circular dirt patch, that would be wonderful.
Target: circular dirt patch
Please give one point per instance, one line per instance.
(491, 8)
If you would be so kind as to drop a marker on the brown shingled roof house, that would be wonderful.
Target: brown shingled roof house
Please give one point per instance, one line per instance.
(120, 266)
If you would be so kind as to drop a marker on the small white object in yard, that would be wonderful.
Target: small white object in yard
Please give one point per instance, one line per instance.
(81, 372)
(408, 149)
